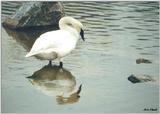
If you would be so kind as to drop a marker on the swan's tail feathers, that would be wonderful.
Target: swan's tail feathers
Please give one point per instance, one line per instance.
(29, 55)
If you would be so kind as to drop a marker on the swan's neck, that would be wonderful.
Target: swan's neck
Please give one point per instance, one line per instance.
(71, 30)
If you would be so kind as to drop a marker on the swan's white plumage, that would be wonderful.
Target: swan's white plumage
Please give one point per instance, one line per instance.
(59, 43)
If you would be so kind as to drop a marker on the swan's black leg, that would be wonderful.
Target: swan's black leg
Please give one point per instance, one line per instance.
(61, 64)
(50, 63)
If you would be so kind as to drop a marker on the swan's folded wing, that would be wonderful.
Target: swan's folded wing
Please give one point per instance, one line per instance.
(50, 40)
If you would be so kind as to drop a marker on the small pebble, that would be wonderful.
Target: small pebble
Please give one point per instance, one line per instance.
(141, 78)
(142, 60)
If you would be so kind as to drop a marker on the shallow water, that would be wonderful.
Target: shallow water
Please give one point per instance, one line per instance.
(117, 33)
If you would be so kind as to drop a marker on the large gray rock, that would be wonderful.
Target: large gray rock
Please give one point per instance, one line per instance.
(35, 14)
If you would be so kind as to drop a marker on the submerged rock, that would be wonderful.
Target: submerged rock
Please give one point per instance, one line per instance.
(139, 79)
(142, 60)
(35, 14)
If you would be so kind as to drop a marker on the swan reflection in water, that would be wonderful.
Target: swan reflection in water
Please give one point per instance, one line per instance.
(57, 82)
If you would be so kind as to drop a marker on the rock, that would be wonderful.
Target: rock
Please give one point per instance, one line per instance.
(139, 79)
(142, 60)
(35, 14)
(133, 79)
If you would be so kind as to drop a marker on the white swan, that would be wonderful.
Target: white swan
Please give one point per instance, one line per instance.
(57, 44)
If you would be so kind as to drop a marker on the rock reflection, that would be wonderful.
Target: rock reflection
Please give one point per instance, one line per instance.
(27, 37)
(56, 82)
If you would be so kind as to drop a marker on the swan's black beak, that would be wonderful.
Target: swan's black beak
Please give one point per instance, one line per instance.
(82, 34)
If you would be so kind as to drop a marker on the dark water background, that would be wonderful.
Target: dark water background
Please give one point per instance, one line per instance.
(117, 33)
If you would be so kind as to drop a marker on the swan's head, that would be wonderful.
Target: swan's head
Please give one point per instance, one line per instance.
(66, 22)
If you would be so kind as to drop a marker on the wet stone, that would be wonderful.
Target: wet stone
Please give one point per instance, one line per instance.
(35, 14)
(140, 78)
(142, 60)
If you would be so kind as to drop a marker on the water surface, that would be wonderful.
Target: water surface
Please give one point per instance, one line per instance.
(117, 33)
